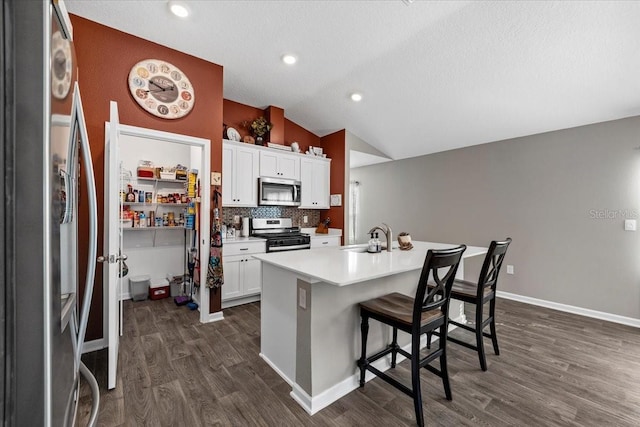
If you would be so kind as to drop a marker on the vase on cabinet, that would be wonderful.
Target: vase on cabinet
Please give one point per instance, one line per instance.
(259, 140)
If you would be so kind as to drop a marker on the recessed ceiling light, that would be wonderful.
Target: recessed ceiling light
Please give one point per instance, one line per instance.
(179, 9)
(356, 97)
(289, 59)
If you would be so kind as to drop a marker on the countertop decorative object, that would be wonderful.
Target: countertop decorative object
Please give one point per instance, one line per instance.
(404, 241)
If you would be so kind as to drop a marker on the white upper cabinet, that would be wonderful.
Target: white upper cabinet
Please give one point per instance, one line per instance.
(279, 165)
(240, 172)
(315, 183)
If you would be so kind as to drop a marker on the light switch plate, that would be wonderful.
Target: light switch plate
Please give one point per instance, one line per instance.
(336, 200)
(509, 269)
(630, 225)
(302, 298)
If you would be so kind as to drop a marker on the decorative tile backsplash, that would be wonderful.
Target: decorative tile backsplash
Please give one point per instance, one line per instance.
(295, 214)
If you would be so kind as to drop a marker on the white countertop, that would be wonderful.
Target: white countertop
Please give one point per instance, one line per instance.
(339, 266)
(311, 231)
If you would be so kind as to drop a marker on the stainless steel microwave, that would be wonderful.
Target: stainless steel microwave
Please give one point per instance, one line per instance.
(278, 192)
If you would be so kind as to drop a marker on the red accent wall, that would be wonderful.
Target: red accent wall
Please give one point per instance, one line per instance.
(334, 146)
(105, 57)
(295, 132)
(275, 116)
(234, 113)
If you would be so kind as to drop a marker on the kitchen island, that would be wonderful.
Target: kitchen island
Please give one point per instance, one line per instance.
(310, 322)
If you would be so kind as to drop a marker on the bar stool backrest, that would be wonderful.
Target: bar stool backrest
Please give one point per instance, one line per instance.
(491, 266)
(438, 296)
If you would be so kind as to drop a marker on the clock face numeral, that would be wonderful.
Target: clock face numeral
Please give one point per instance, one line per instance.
(142, 72)
(161, 88)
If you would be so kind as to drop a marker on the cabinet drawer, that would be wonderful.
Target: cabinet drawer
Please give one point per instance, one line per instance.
(323, 242)
(243, 248)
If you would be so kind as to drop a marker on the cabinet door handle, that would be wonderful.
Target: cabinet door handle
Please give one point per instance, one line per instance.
(244, 249)
(324, 243)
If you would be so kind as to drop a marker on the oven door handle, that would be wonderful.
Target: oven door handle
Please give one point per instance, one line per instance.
(289, 248)
(295, 193)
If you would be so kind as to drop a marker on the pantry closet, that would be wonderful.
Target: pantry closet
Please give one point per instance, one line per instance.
(155, 220)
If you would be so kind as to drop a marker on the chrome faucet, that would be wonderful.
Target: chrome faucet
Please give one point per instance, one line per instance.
(387, 233)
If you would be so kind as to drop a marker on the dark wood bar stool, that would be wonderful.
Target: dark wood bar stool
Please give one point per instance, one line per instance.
(479, 294)
(426, 312)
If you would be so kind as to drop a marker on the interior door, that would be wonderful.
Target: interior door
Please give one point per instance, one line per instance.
(112, 243)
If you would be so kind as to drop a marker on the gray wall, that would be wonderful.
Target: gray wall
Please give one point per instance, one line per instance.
(352, 142)
(562, 196)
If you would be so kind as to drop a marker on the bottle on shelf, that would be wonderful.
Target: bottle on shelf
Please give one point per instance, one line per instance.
(131, 197)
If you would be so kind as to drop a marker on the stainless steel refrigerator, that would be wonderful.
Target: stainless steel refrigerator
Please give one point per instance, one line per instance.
(45, 142)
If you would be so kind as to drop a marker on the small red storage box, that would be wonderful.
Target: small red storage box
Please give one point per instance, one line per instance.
(159, 290)
(146, 172)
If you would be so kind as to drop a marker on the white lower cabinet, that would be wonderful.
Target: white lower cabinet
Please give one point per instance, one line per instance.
(242, 273)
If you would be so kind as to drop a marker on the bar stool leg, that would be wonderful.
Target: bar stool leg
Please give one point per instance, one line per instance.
(364, 331)
(492, 325)
(443, 364)
(394, 348)
(479, 340)
(429, 340)
(415, 378)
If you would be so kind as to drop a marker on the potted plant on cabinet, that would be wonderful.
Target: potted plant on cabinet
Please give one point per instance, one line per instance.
(259, 127)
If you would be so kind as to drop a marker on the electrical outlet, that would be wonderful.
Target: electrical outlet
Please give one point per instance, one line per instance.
(305, 219)
(509, 269)
(302, 298)
(236, 219)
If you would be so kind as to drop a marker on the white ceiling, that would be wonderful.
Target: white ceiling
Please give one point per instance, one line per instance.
(358, 159)
(434, 75)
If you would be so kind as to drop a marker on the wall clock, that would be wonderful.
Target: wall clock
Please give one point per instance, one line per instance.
(161, 88)
(61, 66)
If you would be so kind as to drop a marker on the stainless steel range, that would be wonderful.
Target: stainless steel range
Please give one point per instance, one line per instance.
(280, 234)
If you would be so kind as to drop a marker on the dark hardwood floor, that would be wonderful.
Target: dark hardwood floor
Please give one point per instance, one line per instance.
(554, 369)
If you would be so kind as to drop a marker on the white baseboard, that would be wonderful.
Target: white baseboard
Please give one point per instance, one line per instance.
(316, 403)
(94, 345)
(214, 317)
(629, 321)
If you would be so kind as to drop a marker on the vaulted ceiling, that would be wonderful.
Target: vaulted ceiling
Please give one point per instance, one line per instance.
(434, 75)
